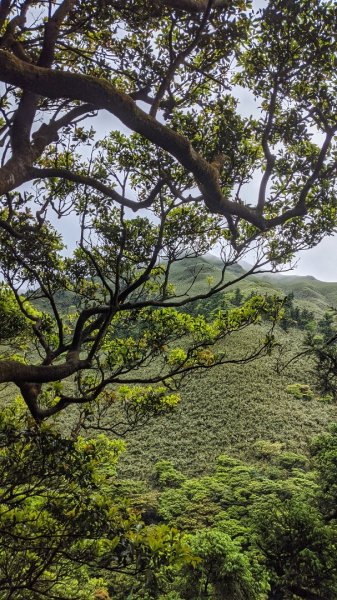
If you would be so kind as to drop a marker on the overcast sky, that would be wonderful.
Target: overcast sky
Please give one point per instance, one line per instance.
(319, 262)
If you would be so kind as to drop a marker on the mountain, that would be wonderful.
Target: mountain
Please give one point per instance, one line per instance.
(306, 288)
(230, 408)
(310, 293)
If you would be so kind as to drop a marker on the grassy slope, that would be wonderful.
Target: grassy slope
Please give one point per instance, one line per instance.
(311, 293)
(320, 293)
(228, 408)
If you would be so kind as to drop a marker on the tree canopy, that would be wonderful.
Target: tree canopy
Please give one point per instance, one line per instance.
(70, 529)
(172, 176)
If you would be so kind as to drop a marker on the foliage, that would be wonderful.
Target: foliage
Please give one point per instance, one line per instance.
(166, 475)
(323, 348)
(267, 529)
(13, 321)
(57, 506)
(172, 182)
(301, 391)
(65, 525)
(325, 450)
(299, 547)
(293, 316)
(225, 409)
(249, 530)
(326, 326)
(223, 572)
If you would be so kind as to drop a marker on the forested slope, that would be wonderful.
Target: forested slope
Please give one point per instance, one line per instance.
(226, 497)
(229, 408)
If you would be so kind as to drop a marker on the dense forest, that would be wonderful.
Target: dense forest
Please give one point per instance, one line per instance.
(231, 495)
(168, 395)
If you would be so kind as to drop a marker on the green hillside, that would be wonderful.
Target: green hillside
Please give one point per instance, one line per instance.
(229, 482)
(319, 293)
(309, 292)
(228, 408)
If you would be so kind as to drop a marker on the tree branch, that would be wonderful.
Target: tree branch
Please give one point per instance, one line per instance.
(87, 180)
(270, 158)
(178, 61)
(13, 371)
(195, 6)
(63, 84)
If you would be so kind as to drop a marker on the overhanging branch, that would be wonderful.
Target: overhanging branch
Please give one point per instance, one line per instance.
(64, 84)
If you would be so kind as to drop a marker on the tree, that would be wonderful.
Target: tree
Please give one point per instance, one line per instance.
(60, 511)
(320, 345)
(326, 326)
(223, 572)
(68, 530)
(238, 297)
(169, 72)
(264, 529)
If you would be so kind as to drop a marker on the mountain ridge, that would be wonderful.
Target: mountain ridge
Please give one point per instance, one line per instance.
(315, 295)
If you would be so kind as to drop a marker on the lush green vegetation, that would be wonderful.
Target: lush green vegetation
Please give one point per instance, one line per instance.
(71, 529)
(127, 328)
(228, 408)
(227, 497)
(263, 529)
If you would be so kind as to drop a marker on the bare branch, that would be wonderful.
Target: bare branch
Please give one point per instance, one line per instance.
(90, 181)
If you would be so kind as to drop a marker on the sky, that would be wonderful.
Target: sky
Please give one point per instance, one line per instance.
(319, 262)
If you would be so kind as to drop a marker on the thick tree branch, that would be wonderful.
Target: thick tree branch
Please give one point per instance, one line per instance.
(51, 32)
(24, 116)
(17, 170)
(59, 84)
(11, 370)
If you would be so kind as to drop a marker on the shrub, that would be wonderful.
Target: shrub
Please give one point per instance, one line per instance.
(301, 391)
